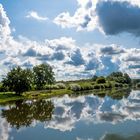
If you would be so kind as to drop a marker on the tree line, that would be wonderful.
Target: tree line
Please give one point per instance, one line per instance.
(42, 77)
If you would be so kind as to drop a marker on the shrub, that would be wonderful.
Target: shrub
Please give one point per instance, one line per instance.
(75, 87)
(61, 85)
(86, 86)
(48, 87)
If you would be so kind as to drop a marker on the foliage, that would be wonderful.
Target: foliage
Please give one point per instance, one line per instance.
(3, 88)
(61, 85)
(43, 74)
(75, 87)
(101, 80)
(48, 87)
(18, 80)
(86, 86)
(119, 77)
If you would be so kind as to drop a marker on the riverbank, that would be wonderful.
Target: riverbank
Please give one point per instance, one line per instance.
(45, 94)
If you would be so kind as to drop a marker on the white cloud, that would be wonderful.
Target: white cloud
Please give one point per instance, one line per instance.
(93, 14)
(81, 20)
(4, 24)
(36, 16)
(68, 59)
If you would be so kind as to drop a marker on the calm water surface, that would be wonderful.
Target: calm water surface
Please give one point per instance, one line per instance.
(85, 117)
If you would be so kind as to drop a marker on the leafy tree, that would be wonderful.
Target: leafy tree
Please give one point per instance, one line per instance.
(101, 80)
(18, 80)
(43, 74)
(119, 77)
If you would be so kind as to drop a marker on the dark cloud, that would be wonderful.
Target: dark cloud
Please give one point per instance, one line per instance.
(117, 17)
(111, 50)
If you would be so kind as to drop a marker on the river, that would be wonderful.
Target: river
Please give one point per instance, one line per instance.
(83, 117)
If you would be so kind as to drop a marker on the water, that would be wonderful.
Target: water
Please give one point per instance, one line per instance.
(83, 117)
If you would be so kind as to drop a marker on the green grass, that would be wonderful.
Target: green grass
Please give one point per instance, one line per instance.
(9, 96)
(46, 93)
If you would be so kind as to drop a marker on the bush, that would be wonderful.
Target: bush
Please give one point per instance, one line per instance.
(48, 87)
(61, 85)
(86, 86)
(75, 87)
(101, 80)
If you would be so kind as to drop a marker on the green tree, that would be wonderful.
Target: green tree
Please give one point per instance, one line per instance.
(101, 80)
(119, 77)
(18, 80)
(43, 74)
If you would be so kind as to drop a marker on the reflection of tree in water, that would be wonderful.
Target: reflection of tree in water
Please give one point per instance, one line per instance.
(23, 113)
(114, 94)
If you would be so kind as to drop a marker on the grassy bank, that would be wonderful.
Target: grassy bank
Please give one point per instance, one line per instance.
(11, 96)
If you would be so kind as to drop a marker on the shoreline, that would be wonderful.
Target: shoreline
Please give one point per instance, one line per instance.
(45, 94)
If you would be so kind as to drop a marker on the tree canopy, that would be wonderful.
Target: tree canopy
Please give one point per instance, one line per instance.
(43, 74)
(18, 80)
(119, 77)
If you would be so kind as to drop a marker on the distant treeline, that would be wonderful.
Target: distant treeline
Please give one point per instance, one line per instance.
(41, 77)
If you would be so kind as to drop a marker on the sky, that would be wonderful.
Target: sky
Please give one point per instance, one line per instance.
(78, 38)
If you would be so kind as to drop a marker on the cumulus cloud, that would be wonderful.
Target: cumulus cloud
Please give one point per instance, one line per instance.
(36, 16)
(4, 23)
(68, 59)
(82, 19)
(117, 17)
(109, 16)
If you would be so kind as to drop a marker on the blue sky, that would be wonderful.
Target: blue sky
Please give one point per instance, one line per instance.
(70, 35)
